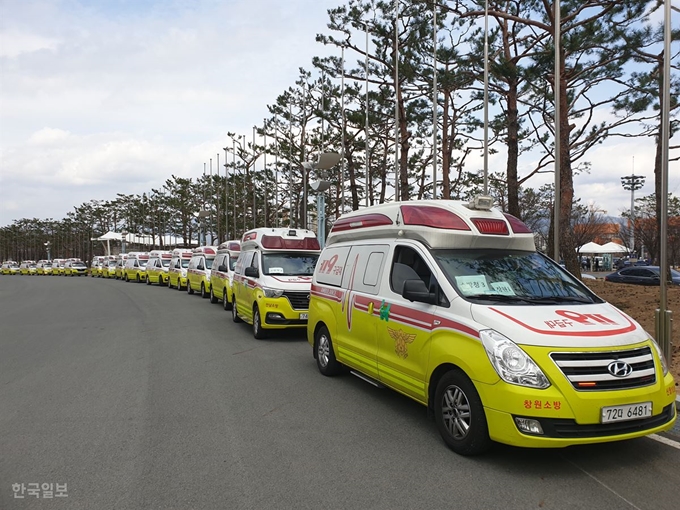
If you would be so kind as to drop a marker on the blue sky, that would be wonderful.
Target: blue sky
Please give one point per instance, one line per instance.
(114, 96)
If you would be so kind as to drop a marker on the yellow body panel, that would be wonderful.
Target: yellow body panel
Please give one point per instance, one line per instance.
(407, 358)
(175, 278)
(219, 282)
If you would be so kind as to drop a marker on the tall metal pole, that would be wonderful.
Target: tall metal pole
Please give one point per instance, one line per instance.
(264, 188)
(226, 197)
(434, 100)
(368, 156)
(302, 159)
(486, 97)
(276, 169)
(396, 100)
(233, 164)
(557, 86)
(252, 180)
(663, 317)
(217, 188)
(341, 181)
(290, 165)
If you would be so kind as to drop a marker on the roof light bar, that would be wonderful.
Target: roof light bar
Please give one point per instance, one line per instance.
(517, 225)
(491, 226)
(362, 221)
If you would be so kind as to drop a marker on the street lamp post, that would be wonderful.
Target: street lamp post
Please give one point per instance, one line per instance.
(632, 183)
(47, 246)
(123, 238)
(323, 161)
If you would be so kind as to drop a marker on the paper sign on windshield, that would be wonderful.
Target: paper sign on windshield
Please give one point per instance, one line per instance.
(472, 284)
(503, 288)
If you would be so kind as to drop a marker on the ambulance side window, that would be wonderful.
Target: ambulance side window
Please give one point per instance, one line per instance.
(243, 262)
(370, 262)
(256, 261)
(200, 264)
(408, 264)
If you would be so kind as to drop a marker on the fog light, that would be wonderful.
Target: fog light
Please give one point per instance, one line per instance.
(275, 316)
(529, 426)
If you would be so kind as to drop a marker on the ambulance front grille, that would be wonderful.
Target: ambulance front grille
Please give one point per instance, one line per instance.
(298, 300)
(594, 371)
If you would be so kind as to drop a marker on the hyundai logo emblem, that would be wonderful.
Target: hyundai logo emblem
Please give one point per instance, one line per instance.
(619, 369)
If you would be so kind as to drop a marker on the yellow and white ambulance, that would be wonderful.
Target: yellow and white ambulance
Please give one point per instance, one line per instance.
(222, 273)
(58, 267)
(135, 266)
(96, 265)
(157, 267)
(177, 272)
(120, 266)
(43, 267)
(273, 278)
(10, 267)
(109, 267)
(198, 271)
(25, 267)
(450, 304)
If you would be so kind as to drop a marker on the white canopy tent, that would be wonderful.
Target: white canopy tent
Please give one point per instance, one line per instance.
(612, 247)
(589, 249)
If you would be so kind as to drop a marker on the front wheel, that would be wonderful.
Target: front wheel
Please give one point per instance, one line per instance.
(226, 304)
(204, 294)
(189, 289)
(137, 279)
(324, 354)
(460, 415)
(148, 282)
(213, 299)
(127, 279)
(258, 332)
(234, 312)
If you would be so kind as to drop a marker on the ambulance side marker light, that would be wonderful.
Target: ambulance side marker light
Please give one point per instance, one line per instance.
(434, 217)
(517, 225)
(362, 221)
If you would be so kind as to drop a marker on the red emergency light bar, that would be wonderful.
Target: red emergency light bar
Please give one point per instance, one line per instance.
(279, 243)
(166, 255)
(249, 236)
(363, 221)
(517, 225)
(234, 247)
(434, 217)
(491, 226)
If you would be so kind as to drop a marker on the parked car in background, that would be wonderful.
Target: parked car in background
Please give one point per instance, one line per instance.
(10, 267)
(641, 275)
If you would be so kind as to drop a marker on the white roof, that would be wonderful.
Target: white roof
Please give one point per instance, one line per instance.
(612, 247)
(436, 223)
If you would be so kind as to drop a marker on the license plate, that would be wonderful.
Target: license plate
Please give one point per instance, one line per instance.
(303, 316)
(627, 412)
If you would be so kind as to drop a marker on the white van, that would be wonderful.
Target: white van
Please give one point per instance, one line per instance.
(450, 304)
(273, 278)
(158, 266)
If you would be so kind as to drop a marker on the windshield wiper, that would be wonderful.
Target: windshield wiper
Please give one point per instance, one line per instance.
(500, 297)
(561, 299)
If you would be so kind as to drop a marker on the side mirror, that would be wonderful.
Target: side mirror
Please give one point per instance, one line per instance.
(252, 272)
(416, 290)
(222, 268)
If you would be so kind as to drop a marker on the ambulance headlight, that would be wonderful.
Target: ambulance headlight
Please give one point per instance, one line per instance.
(664, 364)
(184, 273)
(272, 293)
(513, 365)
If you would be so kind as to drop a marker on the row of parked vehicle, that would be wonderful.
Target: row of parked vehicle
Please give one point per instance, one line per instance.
(60, 267)
(448, 303)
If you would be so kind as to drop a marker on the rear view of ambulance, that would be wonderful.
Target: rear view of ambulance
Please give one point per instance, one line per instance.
(450, 304)
(272, 278)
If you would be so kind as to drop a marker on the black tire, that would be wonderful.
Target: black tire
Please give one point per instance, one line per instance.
(234, 312)
(137, 278)
(226, 304)
(213, 299)
(189, 289)
(204, 294)
(179, 283)
(459, 414)
(127, 278)
(324, 354)
(258, 331)
(148, 282)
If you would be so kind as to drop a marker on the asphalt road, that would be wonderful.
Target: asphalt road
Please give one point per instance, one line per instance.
(144, 397)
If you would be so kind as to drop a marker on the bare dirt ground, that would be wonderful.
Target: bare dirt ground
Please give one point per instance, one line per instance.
(640, 302)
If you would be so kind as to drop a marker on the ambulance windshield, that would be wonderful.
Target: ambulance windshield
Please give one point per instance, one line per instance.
(289, 264)
(185, 263)
(165, 262)
(513, 277)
